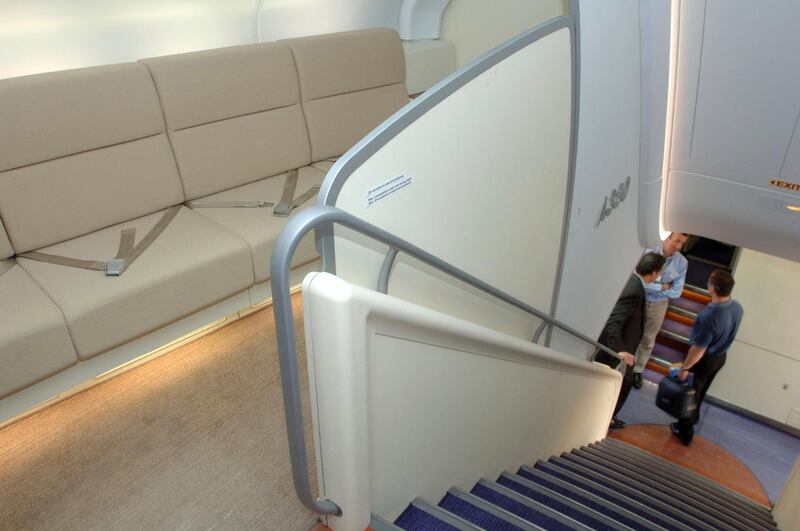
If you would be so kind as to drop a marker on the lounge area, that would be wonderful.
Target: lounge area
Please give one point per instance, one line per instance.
(191, 151)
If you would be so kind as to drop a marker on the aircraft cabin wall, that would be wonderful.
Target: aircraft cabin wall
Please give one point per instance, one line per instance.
(762, 373)
(62, 34)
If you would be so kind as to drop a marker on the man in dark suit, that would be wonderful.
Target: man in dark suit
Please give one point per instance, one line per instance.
(625, 326)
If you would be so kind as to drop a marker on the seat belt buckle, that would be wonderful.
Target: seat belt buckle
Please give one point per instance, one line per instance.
(114, 267)
(282, 210)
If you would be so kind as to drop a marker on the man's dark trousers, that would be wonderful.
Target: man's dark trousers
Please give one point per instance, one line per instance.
(704, 372)
(627, 379)
(623, 332)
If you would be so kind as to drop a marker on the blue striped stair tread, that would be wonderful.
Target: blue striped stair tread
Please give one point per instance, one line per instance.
(676, 328)
(668, 354)
(687, 304)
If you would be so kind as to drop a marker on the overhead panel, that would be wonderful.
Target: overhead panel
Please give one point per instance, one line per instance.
(735, 157)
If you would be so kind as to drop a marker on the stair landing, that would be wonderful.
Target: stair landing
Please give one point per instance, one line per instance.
(702, 457)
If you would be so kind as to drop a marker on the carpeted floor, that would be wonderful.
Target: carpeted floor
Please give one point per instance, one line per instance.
(192, 440)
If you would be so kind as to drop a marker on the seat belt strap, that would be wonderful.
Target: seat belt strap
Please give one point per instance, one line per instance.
(229, 204)
(305, 196)
(126, 253)
(6, 265)
(149, 238)
(284, 208)
(64, 260)
(127, 238)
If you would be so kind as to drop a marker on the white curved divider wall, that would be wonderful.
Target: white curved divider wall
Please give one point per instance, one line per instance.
(483, 164)
(278, 19)
(409, 402)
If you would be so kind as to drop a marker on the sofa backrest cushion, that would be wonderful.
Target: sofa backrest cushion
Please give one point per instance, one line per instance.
(233, 115)
(349, 83)
(81, 150)
(6, 250)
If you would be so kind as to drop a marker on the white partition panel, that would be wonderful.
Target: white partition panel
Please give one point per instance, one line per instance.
(603, 241)
(479, 178)
(409, 402)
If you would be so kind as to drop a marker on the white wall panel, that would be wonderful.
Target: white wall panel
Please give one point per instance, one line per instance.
(600, 257)
(279, 19)
(654, 17)
(61, 34)
(477, 26)
(490, 171)
(765, 356)
(408, 402)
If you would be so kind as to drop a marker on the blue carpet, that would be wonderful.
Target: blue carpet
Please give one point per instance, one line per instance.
(415, 519)
(564, 509)
(583, 500)
(473, 514)
(519, 509)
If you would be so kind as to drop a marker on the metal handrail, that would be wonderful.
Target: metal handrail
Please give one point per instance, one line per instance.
(538, 332)
(280, 267)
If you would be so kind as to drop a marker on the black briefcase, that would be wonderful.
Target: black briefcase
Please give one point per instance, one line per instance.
(677, 398)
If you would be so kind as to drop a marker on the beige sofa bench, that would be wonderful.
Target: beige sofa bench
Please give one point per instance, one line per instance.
(88, 153)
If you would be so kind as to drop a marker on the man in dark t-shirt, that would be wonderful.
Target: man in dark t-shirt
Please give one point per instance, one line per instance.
(714, 330)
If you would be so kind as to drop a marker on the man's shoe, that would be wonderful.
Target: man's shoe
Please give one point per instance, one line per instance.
(637, 380)
(684, 438)
(616, 424)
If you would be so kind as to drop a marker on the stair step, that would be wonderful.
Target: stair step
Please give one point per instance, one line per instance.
(656, 486)
(687, 518)
(680, 316)
(482, 513)
(421, 515)
(602, 494)
(668, 478)
(673, 310)
(653, 489)
(376, 523)
(685, 472)
(696, 292)
(687, 305)
(543, 514)
(668, 354)
(675, 327)
(529, 478)
(652, 376)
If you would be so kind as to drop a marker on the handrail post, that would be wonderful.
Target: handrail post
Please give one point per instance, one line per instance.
(280, 267)
(538, 333)
(386, 270)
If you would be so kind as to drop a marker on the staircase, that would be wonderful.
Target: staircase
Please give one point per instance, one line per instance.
(609, 485)
(672, 342)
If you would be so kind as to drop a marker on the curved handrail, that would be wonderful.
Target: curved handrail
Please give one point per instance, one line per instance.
(386, 271)
(280, 267)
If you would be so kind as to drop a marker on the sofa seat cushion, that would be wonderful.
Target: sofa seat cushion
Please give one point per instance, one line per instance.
(258, 226)
(191, 265)
(34, 341)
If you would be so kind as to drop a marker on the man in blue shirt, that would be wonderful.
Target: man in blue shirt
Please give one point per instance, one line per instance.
(657, 294)
(714, 330)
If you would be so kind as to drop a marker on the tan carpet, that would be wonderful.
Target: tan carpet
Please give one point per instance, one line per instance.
(195, 439)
